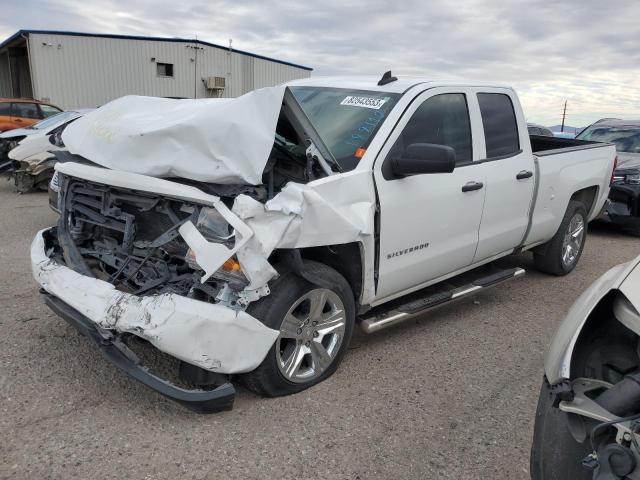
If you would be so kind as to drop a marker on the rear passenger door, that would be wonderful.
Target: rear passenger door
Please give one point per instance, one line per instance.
(509, 170)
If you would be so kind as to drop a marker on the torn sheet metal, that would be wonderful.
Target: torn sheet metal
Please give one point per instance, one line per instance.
(209, 255)
(330, 211)
(207, 335)
(225, 141)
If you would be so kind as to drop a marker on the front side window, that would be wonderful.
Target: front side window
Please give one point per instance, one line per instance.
(440, 120)
(500, 124)
(346, 120)
(25, 110)
(5, 109)
(49, 110)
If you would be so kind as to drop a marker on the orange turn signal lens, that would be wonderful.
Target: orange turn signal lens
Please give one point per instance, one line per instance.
(360, 152)
(231, 265)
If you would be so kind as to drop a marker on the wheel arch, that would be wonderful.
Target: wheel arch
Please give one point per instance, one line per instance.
(346, 259)
(583, 313)
(587, 196)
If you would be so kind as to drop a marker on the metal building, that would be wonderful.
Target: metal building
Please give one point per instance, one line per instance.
(82, 70)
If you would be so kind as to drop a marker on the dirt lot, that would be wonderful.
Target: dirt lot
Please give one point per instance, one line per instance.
(451, 395)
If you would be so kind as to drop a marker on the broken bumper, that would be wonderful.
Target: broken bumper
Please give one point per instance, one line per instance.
(201, 401)
(210, 336)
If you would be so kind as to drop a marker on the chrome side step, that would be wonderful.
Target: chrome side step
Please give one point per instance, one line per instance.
(379, 321)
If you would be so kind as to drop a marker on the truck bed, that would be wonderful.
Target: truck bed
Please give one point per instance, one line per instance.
(543, 146)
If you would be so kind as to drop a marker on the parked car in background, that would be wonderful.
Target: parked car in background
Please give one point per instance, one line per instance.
(253, 251)
(17, 113)
(564, 134)
(535, 129)
(11, 138)
(32, 159)
(586, 421)
(623, 205)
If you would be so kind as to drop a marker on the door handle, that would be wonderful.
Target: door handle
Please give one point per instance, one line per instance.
(524, 174)
(471, 186)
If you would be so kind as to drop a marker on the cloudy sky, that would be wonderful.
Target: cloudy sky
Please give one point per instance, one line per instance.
(587, 52)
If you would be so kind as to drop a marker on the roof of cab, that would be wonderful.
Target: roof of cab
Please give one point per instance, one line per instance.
(370, 82)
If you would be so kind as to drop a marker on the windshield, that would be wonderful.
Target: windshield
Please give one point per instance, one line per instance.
(626, 139)
(346, 120)
(53, 120)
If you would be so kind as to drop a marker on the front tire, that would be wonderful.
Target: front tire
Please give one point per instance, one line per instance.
(560, 255)
(555, 453)
(315, 323)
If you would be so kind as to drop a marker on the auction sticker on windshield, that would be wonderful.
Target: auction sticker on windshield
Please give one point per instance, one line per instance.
(366, 102)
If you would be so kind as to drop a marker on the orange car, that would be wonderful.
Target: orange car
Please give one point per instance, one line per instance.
(19, 113)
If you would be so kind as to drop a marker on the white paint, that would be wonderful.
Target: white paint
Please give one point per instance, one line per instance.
(625, 277)
(224, 141)
(210, 336)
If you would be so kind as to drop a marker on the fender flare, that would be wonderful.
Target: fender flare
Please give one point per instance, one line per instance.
(557, 364)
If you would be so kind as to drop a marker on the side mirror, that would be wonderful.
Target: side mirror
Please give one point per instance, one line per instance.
(56, 138)
(421, 158)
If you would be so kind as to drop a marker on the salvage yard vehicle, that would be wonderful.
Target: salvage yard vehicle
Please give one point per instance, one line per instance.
(535, 129)
(588, 412)
(22, 112)
(10, 139)
(32, 160)
(622, 208)
(247, 237)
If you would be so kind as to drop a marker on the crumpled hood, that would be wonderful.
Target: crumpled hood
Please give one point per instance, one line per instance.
(225, 141)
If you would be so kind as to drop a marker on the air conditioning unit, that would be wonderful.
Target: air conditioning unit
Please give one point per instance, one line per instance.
(215, 83)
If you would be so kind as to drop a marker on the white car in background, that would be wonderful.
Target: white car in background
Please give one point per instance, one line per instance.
(11, 138)
(589, 406)
(32, 159)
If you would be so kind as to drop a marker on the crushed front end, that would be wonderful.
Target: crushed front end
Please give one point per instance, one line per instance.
(118, 266)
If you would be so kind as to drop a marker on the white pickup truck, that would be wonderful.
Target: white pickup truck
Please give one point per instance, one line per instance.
(247, 237)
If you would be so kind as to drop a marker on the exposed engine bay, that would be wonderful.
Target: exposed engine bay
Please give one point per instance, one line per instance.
(131, 238)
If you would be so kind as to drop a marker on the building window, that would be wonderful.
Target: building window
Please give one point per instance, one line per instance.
(164, 69)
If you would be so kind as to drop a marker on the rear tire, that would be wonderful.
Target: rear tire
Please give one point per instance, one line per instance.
(555, 453)
(560, 255)
(315, 323)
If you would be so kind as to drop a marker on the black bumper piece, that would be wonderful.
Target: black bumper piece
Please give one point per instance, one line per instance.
(200, 401)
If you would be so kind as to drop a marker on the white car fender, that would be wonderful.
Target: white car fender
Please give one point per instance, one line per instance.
(626, 279)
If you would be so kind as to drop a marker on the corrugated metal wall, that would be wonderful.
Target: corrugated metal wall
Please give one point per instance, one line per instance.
(5, 77)
(77, 71)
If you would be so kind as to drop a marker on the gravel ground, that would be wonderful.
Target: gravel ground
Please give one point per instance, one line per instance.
(450, 395)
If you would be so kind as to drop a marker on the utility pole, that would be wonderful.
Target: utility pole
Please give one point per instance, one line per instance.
(564, 114)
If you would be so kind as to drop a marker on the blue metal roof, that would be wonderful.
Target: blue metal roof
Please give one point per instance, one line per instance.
(155, 39)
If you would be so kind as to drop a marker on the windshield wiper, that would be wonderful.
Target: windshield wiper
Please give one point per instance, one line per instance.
(314, 154)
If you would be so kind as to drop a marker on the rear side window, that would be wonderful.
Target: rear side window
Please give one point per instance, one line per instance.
(5, 109)
(500, 125)
(25, 110)
(441, 120)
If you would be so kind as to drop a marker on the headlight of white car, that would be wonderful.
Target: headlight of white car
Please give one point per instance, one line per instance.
(215, 228)
(54, 184)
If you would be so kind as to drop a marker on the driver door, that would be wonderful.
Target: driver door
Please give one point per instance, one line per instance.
(429, 223)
